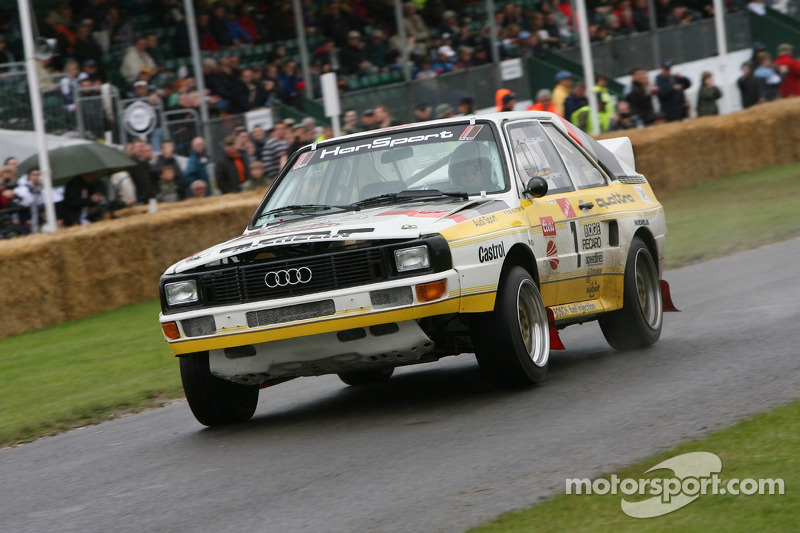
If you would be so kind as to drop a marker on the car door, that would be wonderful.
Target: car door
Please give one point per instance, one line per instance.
(556, 220)
(595, 235)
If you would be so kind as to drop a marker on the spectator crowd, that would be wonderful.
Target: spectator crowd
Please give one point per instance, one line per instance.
(354, 39)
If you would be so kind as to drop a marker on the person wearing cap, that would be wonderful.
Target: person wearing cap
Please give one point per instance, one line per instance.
(444, 110)
(445, 60)
(368, 120)
(562, 90)
(498, 98)
(377, 50)
(136, 58)
(352, 57)
(671, 92)
(465, 106)
(450, 26)
(423, 113)
(508, 102)
(544, 102)
(789, 68)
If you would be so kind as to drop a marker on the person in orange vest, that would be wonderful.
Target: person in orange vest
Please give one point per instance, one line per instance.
(498, 98)
(544, 102)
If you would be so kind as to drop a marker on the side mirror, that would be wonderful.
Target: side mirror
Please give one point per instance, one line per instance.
(536, 187)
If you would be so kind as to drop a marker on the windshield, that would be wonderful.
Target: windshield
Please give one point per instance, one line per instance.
(453, 158)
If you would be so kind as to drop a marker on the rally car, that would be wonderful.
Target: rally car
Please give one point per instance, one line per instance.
(482, 234)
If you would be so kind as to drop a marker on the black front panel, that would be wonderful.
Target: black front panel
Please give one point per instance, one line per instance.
(286, 278)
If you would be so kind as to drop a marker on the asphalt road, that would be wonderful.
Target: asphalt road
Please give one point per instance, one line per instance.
(435, 449)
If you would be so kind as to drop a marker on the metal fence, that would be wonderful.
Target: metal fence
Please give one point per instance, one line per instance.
(680, 44)
(480, 83)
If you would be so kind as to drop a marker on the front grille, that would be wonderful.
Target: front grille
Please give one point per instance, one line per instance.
(248, 283)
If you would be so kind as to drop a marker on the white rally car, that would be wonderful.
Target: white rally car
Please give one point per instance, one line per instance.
(481, 234)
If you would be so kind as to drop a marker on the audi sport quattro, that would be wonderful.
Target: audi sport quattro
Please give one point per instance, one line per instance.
(483, 234)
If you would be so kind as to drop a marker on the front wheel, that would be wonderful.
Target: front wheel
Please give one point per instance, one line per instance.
(638, 323)
(215, 401)
(512, 343)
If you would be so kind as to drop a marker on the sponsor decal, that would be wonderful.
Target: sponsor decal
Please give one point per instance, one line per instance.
(643, 195)
(491, 252)
(548, 226)
(592, 236)
(574, 309)
(303, 160)
(566, 208)
(552, 254)
(595, 259)
(641, 222)
(382, 142)
(614, 199)
(483, 221)
(592, 289)
(470, 133)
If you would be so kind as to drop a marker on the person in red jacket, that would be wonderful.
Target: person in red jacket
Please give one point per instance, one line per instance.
(544, 102)
(789, 67)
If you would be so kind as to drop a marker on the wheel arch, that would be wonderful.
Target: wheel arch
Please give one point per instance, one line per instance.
(650, 242)
(521, 255)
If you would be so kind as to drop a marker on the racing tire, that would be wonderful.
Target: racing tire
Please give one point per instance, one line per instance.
(215, 401)
(638, 323)
(357, 378)
(512, 343)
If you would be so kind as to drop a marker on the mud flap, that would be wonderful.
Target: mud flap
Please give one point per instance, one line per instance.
(666, 299)
(555, 340)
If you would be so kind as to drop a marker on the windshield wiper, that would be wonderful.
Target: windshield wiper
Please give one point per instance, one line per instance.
(407, 195)
(298, 207)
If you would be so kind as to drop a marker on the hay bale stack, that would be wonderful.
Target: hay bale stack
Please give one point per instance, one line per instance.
(48, 279)
(680, 155)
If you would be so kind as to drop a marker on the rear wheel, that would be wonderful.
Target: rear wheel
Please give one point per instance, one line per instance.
(215, 401)
(638, 323)
(512, 343)
(367, 377)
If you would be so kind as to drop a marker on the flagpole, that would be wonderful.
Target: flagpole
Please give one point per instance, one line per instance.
(38, 118)
(588, 66)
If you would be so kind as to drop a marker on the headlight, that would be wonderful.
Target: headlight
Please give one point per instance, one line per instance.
(181, 292)
(415, 258)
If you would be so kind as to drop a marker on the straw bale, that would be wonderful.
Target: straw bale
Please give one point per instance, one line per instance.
(680, 155)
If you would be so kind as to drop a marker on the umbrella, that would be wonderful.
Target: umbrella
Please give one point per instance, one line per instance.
(70, 161)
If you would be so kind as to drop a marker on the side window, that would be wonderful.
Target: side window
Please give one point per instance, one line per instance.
(534, 155)
(581, 170)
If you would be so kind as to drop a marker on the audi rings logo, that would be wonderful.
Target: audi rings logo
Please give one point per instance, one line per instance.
(291, 276)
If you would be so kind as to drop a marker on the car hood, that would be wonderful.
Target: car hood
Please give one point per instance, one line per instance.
(407, 220)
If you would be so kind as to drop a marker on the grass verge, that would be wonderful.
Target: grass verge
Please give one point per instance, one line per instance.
(766, 446)
(87, 370)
